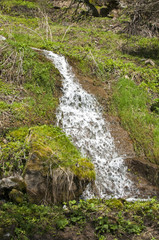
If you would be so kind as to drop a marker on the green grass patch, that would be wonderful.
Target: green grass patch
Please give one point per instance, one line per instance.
(132, 104)
(18, 7)
(11, 3)
(29, 92)
(14, 152)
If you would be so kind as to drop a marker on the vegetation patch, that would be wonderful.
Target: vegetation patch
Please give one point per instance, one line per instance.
(28, 94)
(19, 7)
(14, 152)
(132, 105)
(112, 219)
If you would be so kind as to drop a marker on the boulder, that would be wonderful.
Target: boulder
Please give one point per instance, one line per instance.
(56, 171)
(9, 183)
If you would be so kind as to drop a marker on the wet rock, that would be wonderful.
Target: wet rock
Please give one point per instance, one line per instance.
(147, 170)
(9, 183)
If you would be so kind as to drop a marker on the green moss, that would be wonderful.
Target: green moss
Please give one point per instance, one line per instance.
(53, 149)
(16, 196)
(114, 204)
(11, 3)
(84, 169)
(3, 106)
(18, 7)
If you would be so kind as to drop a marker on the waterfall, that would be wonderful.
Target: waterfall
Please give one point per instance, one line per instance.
(80, 116)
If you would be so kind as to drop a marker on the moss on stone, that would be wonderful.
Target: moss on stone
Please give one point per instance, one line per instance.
(55, 171)
(84, 169)
(16, 196)
(115, 203)
(50, 148)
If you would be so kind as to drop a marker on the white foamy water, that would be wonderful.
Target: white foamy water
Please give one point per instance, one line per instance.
(80, 116)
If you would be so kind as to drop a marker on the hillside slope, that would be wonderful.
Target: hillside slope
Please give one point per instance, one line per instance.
(121, 70)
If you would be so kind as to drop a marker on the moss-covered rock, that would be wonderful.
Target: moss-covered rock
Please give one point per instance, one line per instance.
(102, 8)
(55, 171)
(8, 184)
(16, 196)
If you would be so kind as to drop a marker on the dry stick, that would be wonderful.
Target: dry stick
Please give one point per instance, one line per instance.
(111, 28)
(13, 65)
(95, 62)
(66, 32)
(4, 47)
(85, 56)
(75, 12)
(50, 32)
(7, 58)
(20, 66)
(46, 25)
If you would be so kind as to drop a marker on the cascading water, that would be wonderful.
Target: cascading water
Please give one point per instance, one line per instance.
(80, 116)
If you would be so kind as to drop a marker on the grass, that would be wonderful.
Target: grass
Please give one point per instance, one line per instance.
(11, 3)
(131, 102)
(27, 85)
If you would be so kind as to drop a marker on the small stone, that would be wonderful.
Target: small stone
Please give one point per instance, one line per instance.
(2, 38)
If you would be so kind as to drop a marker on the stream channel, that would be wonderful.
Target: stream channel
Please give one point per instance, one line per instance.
(80, 116)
